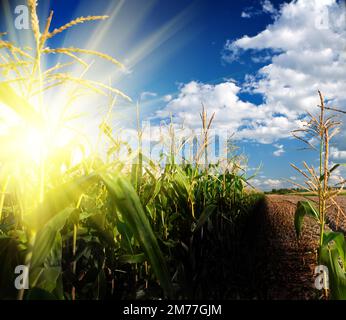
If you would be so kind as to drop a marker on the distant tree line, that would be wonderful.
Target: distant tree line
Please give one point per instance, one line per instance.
(285, 191)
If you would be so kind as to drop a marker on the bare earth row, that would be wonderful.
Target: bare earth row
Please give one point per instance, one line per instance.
(289, 269)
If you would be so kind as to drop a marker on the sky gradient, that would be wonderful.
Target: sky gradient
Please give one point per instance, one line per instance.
(256, 64)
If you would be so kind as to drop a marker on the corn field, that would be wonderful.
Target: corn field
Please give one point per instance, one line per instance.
(104, 227)
(90, 216)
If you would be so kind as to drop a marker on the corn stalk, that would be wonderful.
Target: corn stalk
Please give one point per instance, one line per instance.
(322, 129)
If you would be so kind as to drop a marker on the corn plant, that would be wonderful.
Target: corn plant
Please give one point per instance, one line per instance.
(317, 133)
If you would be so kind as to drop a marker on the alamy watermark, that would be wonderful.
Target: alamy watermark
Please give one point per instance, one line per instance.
(322, 277)
(22, 280)
(21, 20)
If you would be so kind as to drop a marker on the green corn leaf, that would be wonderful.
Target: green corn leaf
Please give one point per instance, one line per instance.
(334, 167)
(59, 198)
(339, 242)
(128, 204)
(18, 104)
(329, 256)
(132, 258)
(45, 277)
(331, 170)
(39, 294)
(48, 277)
(205, 215)
(126, 235)
(304, 208)
(46, 237)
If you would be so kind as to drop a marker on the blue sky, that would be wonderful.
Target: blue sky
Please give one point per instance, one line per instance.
(256, 64)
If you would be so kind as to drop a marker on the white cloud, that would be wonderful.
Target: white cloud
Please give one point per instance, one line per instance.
(307, 41)
(272, 183)
(147, 94)
(337, 176)
(221, 98)
(269, 184)
(279, 150)
(300, 54)
(232, 114)
(245, 15)
(268, 7)
(261, 58)
(167, 98)
(337, 154)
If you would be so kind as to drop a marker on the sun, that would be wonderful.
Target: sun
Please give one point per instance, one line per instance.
(35, 144)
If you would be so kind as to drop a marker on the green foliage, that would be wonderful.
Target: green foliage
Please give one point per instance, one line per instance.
(332, 245)
(154, 239)
(105, 227)
(304, 208)
(333, 255)
(129, 206)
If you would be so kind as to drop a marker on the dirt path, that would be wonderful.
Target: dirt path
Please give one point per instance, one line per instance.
(288, 269)
(267, 262)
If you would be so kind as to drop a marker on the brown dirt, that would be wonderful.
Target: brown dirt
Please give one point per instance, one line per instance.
(289, 268)
(336, 217)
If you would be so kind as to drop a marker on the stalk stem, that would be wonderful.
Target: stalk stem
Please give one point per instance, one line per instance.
(322, 185)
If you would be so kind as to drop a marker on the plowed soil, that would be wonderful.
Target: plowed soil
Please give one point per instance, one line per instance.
(288, 268)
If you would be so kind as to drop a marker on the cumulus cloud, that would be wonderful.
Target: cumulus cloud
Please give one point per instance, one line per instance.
(220, 98)
(266, 7)
(266, 184)
(232, 114)
(303, 50)
(337, 176)
(279, 150)
(307, 41)
(167, 98)
(245, 15)
(337, 154)
(272, 183)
